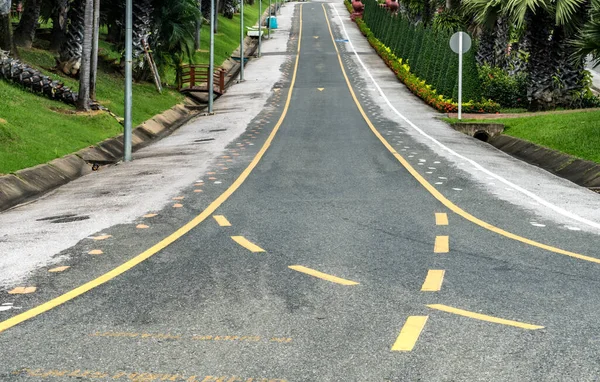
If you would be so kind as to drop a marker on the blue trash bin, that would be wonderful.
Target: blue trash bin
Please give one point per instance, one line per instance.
(272, 22)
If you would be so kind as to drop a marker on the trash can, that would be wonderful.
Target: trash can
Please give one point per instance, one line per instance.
(272, 22)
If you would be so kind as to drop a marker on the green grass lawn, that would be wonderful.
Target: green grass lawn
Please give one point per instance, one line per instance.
(35, 130)
(577, 134)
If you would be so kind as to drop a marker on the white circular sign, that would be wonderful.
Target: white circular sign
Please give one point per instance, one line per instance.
(455, 40)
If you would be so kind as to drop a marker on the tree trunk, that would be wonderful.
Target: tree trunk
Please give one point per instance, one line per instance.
(25, 32)
(485, 49)
(83, 102)
(59, 23)
(70, 52)
(216, 26)
(452, 4)
(541, 65)
(502, 33)
(142, 26)
(94, 54)
(198, 28)
(6, 40)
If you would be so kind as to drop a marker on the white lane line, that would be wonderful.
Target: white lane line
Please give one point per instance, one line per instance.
(530, 194)
(537, 224)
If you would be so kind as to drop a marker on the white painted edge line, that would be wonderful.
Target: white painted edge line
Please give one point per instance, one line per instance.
(472, 162)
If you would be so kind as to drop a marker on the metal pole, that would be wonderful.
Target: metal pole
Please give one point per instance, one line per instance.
(460, 65)
(242, 40)
(128, 76)
(259, 25)
(269, 22)
(211, 60)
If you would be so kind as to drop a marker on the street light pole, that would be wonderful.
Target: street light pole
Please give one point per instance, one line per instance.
(211, 60)
(259, 26)
(128, 80)
(242, 40)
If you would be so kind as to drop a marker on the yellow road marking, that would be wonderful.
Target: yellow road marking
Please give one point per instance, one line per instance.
(177, 205)
(103, 237)
(441, 218)
(441, 244)
(247, 244)
(197, 191)
(142, 226)
(59, 269)
(433, 191)
(4, 325)
(95, 252)
(179, 198)
(483, 317)
(150, 215)
(433, 281)
(410, 333)
(222, 220)
(315, 36)
(322, 275)
(320, 89)
(23, 290)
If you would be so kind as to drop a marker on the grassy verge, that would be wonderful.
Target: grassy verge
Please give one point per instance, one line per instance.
(35, 130)
(577, 134)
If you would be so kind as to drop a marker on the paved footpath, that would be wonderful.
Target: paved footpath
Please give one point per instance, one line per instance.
(337, 237)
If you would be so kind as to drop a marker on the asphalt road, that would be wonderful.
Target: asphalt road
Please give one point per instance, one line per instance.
(315, 238)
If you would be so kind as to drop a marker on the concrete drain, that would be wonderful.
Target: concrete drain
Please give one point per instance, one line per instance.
(595, 189)
(64, 218)
(204, 140)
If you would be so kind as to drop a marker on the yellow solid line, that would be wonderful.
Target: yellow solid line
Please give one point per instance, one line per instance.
(247, 244)
(222, 221)
(441, 244)
(322, 275)
(441, 218)
(175, 235)
(483, 317)
(438, 195)
(433, 281)
(410, 333)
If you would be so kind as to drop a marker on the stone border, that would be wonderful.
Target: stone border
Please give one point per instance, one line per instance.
(582, 172)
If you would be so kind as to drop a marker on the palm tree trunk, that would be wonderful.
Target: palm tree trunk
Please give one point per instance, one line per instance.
(83, 102)
(485, 49)
(198, 28)
(502, 33)
(69, 60)
(541, 65)
(94, 55)
(6, 39)
(25, 32)
(59, 23)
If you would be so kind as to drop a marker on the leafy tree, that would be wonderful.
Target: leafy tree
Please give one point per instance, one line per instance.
(588, 40)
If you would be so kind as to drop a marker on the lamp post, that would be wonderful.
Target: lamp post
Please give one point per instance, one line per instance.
(211, 60)
(242, 40)
(128, 77)
(259, 26)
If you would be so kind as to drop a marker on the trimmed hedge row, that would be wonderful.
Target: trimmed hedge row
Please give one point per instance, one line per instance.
(426, 51)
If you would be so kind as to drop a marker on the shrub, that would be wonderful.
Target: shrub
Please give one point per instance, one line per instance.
(508, 91)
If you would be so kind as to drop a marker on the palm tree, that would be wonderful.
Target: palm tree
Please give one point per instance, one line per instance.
(83, 102)
(25, 32)
(69, 59)
(142, 28)
(588, 40)
(6, 38)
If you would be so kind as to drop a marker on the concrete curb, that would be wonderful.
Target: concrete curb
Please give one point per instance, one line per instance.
(33, 182)
(579, 171)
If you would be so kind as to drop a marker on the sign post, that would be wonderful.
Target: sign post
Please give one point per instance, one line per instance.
(460, 43)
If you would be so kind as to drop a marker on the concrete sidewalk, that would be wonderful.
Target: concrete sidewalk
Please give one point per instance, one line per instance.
(119, 194)
(517, 182)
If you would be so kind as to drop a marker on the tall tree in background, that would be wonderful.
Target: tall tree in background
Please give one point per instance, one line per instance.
(588, 40)
(94, 53)
(69, 60)
(6, 38)
(59, 23)
(83, 102)
(142, 28)
(25, 32)
(198, 27)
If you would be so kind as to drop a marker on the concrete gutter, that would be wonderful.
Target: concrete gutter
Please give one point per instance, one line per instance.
(33, 182)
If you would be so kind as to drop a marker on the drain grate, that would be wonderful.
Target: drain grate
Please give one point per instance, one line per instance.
(204, 140)
(70, 219)
(216, 130)
(56, 217)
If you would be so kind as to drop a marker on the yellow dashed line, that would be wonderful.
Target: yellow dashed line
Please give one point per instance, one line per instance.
(441, 218)
(23, 290)
(433, 281)
(247, 244)
(410, 333)
(441, 244)
(59, 269)
(95, 252)
(222, 220)
(483, 317)
(322, 275)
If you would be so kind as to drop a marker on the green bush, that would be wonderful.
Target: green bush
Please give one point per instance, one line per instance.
(509, 91)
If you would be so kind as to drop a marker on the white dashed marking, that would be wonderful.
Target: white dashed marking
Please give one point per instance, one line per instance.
(439, 182)
(457, 189)
(537, 224)
(442, 177)
(573, 228)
